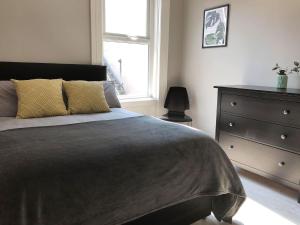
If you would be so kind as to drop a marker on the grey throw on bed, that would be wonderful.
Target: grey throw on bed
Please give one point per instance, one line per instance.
(110, 171)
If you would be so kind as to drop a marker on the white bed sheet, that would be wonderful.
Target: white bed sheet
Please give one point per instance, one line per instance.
(9, 123)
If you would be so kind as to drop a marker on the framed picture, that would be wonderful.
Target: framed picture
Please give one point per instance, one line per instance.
(215, 27)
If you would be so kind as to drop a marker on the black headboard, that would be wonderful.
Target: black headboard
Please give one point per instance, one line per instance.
(25, 71)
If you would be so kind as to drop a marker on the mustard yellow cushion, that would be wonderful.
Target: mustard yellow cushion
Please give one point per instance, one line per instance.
(40, 98)
(85, 97)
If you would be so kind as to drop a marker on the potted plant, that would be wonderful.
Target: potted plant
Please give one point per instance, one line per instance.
(282, 77)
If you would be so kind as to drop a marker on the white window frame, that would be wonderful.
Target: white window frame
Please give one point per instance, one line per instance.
(148, 39)
(124, 37)
(160, 36)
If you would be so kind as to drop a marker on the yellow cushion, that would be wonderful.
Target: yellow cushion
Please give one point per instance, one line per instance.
(85, 97)
(40, 98)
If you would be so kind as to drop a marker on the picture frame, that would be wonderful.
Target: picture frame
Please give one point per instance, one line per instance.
(215, 26)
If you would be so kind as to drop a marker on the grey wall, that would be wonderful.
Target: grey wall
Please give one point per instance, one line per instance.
(45, 31)
(261, 33)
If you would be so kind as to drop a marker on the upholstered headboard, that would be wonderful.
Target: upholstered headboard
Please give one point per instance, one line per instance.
(25, 71)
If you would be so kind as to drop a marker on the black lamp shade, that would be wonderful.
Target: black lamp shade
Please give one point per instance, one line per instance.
(177, 101)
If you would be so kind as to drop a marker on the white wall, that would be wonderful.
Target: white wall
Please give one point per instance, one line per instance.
(45, 31)
(261, 33)
(175, 42)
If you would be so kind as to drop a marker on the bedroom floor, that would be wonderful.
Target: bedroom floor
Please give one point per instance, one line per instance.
(268, 203)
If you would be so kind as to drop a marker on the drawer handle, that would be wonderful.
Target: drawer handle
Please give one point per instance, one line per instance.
(283, 136)
(231, 147)
(281, 164)
(286, 112)
(233, 104)
(231, 124)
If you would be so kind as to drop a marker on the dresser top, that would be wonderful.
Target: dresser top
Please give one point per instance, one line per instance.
(261, 89)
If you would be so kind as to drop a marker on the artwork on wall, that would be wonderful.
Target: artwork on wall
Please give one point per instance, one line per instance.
(215, 27)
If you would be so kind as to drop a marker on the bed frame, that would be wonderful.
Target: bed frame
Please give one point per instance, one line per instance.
(25, 71)
(181, 214)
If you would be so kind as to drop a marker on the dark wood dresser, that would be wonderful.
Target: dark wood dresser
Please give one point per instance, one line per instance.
(259, 129)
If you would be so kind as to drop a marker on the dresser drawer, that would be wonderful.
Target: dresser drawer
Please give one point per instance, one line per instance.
(267, 133)
(270, 160)
(278, 111)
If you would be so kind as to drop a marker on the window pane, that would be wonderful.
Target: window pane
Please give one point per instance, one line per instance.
(128, 67)
(126, 17)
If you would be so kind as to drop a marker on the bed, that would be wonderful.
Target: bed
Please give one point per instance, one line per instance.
(108, 169)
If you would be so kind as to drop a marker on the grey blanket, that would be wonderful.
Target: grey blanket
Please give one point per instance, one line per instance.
(110, 171)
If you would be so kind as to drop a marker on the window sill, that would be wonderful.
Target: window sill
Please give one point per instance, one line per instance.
(138, 100)
(147, 106)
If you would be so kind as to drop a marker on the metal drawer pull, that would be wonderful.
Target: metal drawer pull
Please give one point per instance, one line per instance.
(233, 104)
(231, 124)
(286, 112)
(281, 164)
(283, 137)
(231, 147)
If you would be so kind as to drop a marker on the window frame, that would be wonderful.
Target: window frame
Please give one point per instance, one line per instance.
(150, 16)
(160, 27)
(143, 40)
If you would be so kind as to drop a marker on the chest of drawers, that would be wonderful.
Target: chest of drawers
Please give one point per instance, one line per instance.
(259, 129)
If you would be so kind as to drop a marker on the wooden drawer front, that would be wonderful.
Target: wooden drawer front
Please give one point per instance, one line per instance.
(272, 134)
(277, 111)
(267, 159)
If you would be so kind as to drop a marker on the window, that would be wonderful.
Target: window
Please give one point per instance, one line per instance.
(128, 46)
